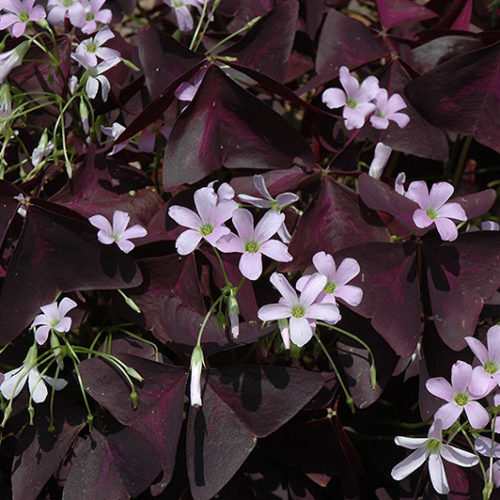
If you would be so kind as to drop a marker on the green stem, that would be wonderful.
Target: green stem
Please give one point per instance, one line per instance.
(207, 317)
(219, 258)
(198, 27)
(232, 35)
(461, 161)
(348, 397)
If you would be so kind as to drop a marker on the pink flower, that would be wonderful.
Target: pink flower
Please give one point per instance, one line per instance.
(488, 374)
(53, 318)
(118, 233)
(355, 100)
(20, 12)
(387, 109)
(458, 397)
(302, 311)
(62, 8)
(277, 204)
(12, 58)
(434, 209)
(380, 159)
(92, 48)
(92, 15)
(433, 449)
(336, 279)
(182, 13)
(207, 223)
(252, 243)
(186, 90)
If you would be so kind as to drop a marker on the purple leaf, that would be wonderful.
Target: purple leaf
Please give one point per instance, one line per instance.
(345, 42)
(461, 276)
(117, 465)
(160, 402)
(462, 95)
(334, 220)
(394, 12)
(40, 453)
(240, 404)
(57, 253)
(163, 59)
(226, 126)
(391, 299)
(266, 48)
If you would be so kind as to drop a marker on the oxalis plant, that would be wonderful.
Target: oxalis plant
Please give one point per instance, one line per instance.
(249, 249)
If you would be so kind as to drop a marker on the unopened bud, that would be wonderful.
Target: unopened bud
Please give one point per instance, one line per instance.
(373, 376)
(197, 363)
(233, 311)
(284, 331)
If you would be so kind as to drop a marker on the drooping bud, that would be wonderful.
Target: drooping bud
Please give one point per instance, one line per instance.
(197, 363)
(284, 331)
(233, 311)
(380, 159)
(5, 102)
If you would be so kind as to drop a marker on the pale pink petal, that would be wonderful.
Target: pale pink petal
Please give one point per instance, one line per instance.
(107, 54)
(452, 211)
(312, 289)
(410, 443)
(378, 122)
(394, 104)
(421, 219)
(8, 386)
(66, 305)
(187, 241)
(380, 157)
(63, 326)
(324, 264)
(7, 20)
(260, 185)
(105, 238)
(441, 388)
(184, 19)
(495, 474)
(448, 414)
(105, 87)
(37, 13)
(58, 384)
(256, 202)
(368, 89)
(438, 475)
(419, 193)
(268, 225)
(42, 334)
(483, 446)
(354, 118)
(410, 464)
(302, 281)
(41, 319)
(284, 287)
(285, 334)
(323, 312)
(478, 349)
(353, 295)
(51, 311)
(18, 29)
(399, 183)
(205, 200)
(350, 84)
(458, 456)
(92, 86)
(276, 250)
(56, 15)
(103, 36)
(216, 234)
(493, 341)
(402, 119)
(300, 331)
(136, 231)
(272, 312)
(120, 221)
(446, 229)
(230, 243)
(251, 265)
(285, 199)
(126, 246)
(477, 415)
(185, 217)
(461, 373)
(37, 386)
(224, 211)
(440, 194)
(334, 98)
(13, 6)
(481, 383)
(243, 222)
(348, 269)
(283, 234)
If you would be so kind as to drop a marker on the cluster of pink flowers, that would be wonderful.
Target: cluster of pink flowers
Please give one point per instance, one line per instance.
(365, 100)
(468, 385)
(83, 14)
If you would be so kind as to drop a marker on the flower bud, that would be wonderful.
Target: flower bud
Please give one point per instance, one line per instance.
(380, 159)
(233, 311)
(197, 363)
(284, 331)
(5, 102)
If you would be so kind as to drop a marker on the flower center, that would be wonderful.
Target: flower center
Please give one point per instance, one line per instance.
(275, 206)
(490, 367)
(206, 229)
(431, 213)
(298, 311)
(67, 3)
(91, 47)
(330, 287)
(379, 113)
(351, 103)
(90, 16)
(24, 17)
(433, 445)
(251, 247)
(178, 3)
(461, 398)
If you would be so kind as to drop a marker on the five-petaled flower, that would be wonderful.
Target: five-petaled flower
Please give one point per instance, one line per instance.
(93, 14)
(489, 371)
(59, 9)
(433, 449)
(19, 13)
(92, 48)
(387, 109)
(277, 204)
(252, 243)
(337, 279)
(355, 98)
(302, 310)
(434, 209)
(213, 210)
(118, 233)
(15, 380)
(458, 396)
(53, 318)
